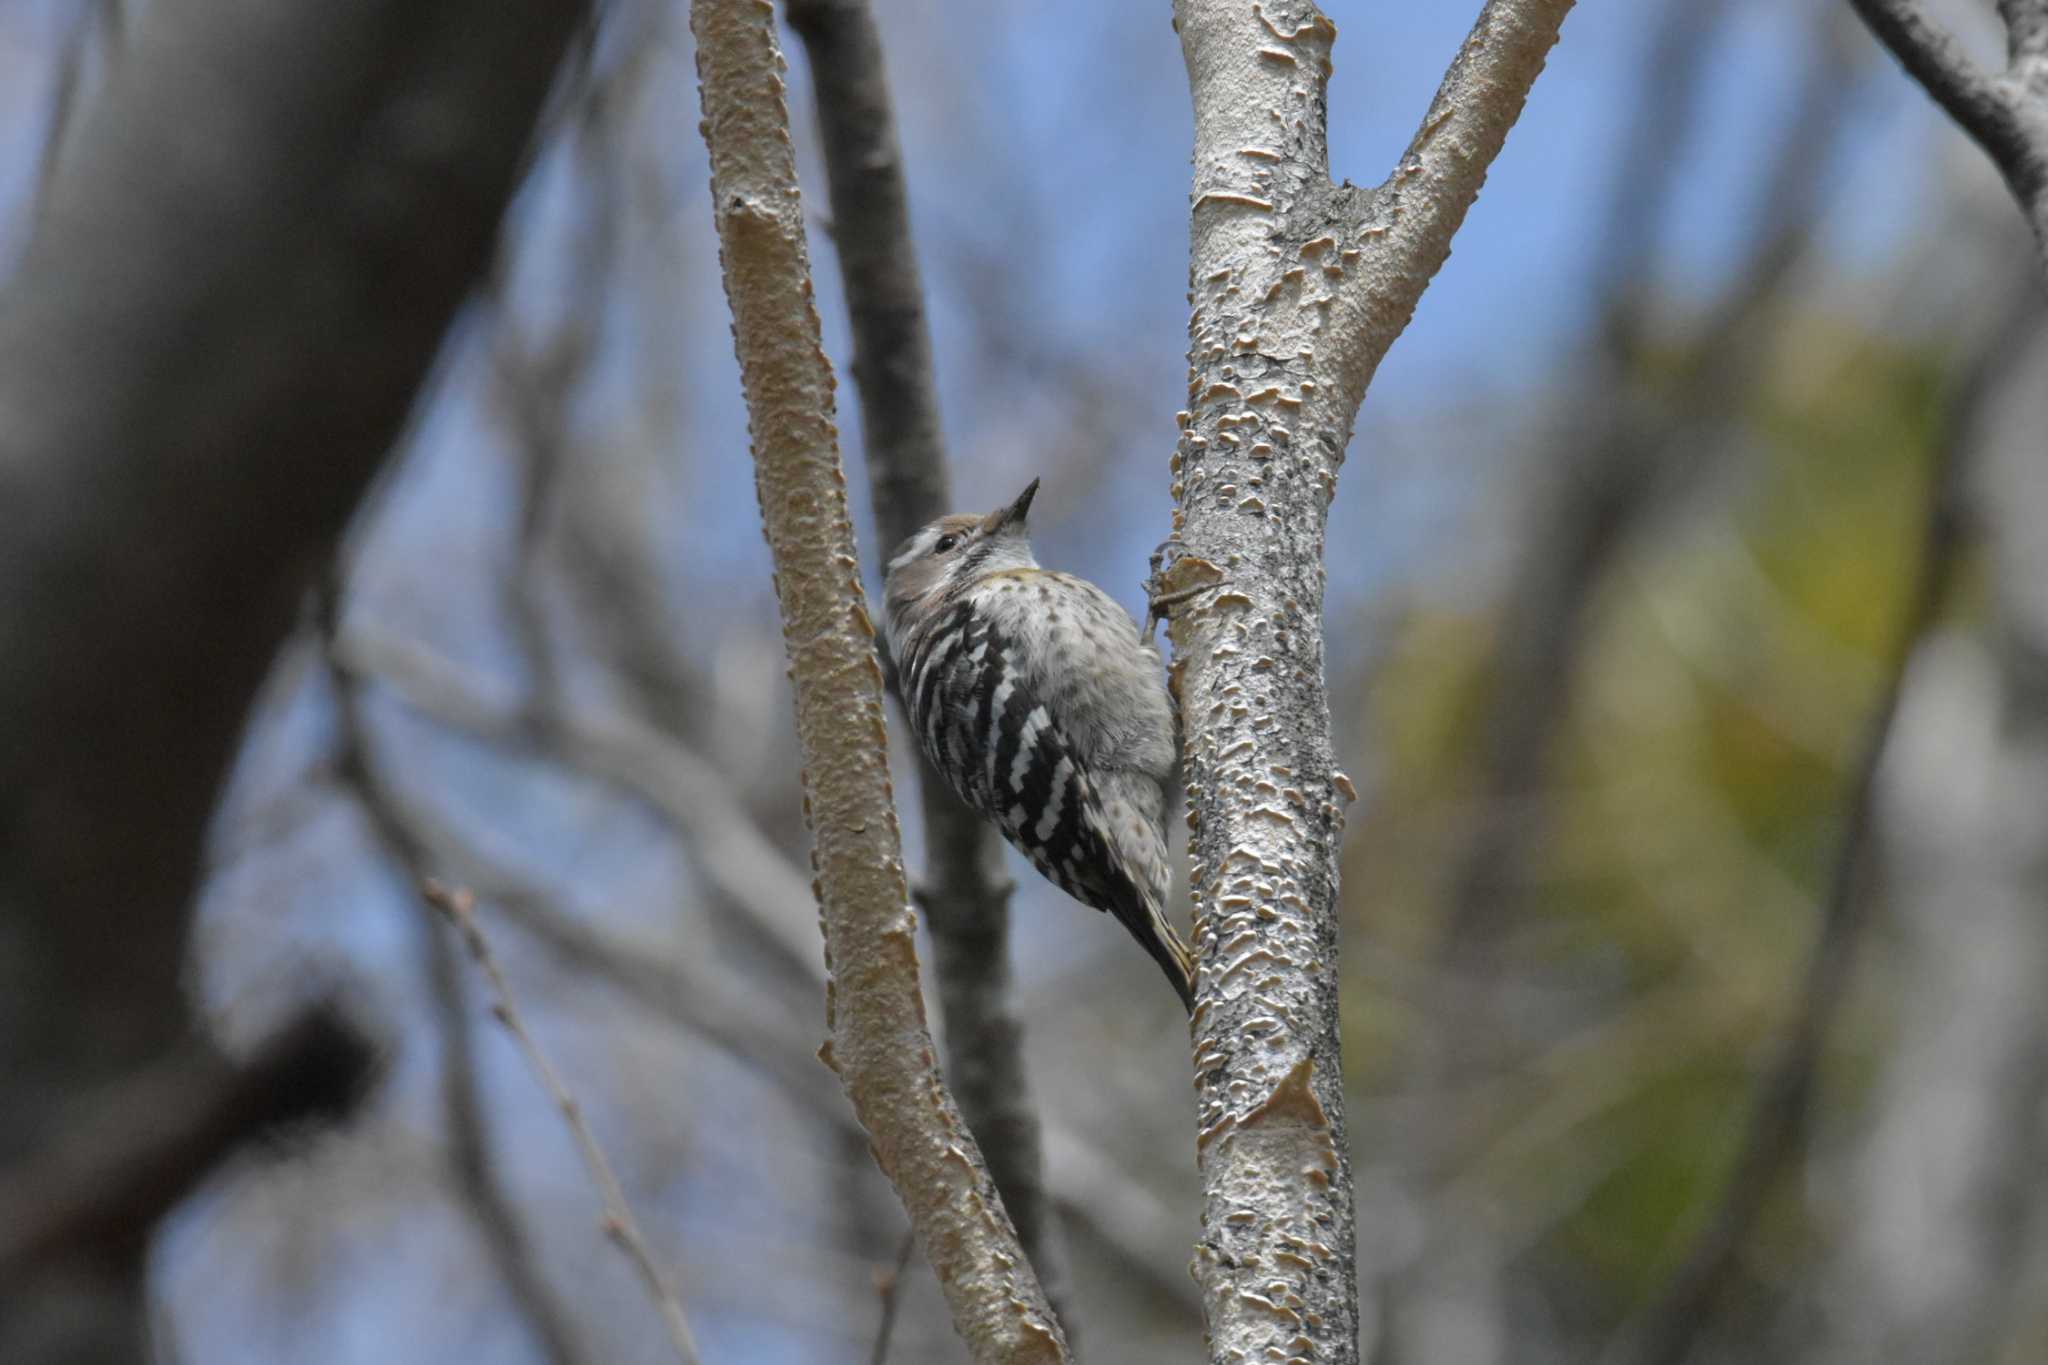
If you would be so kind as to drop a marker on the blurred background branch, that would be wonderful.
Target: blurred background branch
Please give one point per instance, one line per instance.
(243, 257)
(1785, 1089)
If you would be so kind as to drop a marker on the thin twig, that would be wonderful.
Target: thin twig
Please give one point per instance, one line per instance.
(1616, 473)
(619, 1224)
(965, 895)
(497, 1223)
(889, 1287)
(765, 888)
(1784, 1094)
(496, 1220)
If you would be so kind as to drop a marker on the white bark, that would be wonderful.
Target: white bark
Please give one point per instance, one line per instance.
(1299, 286)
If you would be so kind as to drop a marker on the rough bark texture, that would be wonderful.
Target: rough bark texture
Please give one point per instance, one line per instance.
(2005, 114)
(965, 893)
(880, 1045)
(242, 268)
(1298, 288)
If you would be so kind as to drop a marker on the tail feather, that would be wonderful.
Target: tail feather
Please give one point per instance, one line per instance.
(1148, 924)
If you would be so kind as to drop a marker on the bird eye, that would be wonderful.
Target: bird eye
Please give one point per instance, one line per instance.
(944, 544)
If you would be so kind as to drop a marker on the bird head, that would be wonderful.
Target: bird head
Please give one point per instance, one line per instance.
(952, 552)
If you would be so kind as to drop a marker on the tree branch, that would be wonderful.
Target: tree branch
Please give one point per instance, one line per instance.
(965, 894)
(476, 1181)
(892, 348)
(620, 1226)
(1613, 470)
(745, 869)
(2026, 39)
(470, 1160)
(240, 271)
(1299, 288)
(888, 1288)
(880, 1045)
(2005, 114)
(444, 911)
(139, 1146)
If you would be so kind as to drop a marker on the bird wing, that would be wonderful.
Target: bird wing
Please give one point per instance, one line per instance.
(989, 728)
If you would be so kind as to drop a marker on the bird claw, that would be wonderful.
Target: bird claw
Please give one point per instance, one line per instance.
(1162, 594)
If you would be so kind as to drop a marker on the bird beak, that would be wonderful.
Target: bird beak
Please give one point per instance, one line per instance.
(1013, 514)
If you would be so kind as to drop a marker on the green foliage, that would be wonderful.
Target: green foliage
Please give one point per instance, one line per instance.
(1686, 831)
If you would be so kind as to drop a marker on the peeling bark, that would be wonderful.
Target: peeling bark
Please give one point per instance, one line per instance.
(880, 1045)
(1299, 286)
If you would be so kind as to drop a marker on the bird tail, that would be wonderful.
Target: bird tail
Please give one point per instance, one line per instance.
(1146, 919)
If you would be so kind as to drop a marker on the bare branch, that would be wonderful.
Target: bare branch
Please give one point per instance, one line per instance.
(239, 274)
(1406, 235)
(1299, 287)
(889, 1288)
(745, 869)
(2006, 114)
(892, 347)
(137, 1147)
(242, 269)
(1636, 447)
(880, 1045)
(497, 1223)
(2026, 35)
(619, 1224)
(965, 894)
(476, 1174)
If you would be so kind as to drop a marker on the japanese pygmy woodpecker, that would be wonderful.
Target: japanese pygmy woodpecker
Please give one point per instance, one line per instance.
(1036, 697)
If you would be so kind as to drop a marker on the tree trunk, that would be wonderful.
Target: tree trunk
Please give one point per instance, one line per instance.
(1299, 286)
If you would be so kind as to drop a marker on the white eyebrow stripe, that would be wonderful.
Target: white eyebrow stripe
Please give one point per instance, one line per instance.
(919, 544)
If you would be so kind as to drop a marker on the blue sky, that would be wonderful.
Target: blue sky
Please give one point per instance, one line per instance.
(1047, 153)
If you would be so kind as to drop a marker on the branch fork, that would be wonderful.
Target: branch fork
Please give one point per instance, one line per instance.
(2006, 113)
(1298, 285)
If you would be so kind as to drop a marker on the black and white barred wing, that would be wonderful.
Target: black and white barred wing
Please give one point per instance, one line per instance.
(989, 731)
